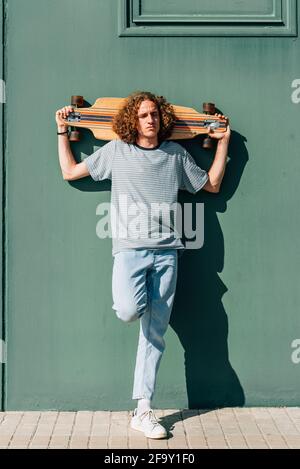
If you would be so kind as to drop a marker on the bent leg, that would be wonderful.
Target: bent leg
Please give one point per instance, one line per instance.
(129, 287)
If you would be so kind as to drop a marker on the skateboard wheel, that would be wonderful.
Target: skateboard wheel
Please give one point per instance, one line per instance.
(209, 108)
(77, 101)
(74, 136)
(208, 143)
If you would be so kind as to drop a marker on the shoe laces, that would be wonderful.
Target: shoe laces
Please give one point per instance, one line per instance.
(151, 416)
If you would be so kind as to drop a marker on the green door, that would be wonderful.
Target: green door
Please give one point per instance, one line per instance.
(234, 335)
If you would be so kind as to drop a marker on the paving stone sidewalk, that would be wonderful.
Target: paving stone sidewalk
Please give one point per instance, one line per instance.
(188, 429)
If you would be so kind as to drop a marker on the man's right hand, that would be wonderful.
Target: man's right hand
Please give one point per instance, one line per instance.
(62, 114)
(70, 169)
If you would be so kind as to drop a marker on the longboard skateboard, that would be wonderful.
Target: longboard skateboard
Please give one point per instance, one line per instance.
(98, 118)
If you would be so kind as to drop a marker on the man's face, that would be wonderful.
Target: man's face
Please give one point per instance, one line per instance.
(148, 119)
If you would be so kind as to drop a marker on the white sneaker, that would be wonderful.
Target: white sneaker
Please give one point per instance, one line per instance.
(148, 424)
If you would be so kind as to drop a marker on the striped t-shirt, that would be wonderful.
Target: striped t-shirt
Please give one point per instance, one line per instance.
(144, 190)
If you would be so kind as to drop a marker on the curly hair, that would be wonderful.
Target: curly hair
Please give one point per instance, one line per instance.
(125, 122)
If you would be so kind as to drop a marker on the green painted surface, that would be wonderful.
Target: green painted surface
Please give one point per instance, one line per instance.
(237, 306)
(206, 7)
(192, 10)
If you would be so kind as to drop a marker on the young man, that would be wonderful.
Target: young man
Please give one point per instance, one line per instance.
(145, 169)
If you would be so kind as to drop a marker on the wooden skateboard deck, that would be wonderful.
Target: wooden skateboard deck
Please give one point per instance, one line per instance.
(98, 118)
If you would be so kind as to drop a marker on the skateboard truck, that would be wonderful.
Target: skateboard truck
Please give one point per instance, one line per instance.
(208, 108)
(74, 117)
(212, 124)
(76, 101)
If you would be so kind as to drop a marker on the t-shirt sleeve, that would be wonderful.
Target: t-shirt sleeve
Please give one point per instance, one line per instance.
(193, 177)
(99, 164)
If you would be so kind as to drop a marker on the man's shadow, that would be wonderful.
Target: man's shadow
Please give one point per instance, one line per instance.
(198, 317)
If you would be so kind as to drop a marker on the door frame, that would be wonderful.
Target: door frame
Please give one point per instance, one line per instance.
(3, 10)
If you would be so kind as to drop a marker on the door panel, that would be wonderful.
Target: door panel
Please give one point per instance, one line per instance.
(236, 311)
(207, 18)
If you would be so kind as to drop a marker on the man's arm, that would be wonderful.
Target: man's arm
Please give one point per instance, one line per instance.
(217, 169)
(69, 168)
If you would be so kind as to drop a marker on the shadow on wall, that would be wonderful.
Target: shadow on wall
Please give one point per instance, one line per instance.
(198, 317)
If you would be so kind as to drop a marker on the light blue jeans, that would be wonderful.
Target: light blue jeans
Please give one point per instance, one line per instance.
(143, 286)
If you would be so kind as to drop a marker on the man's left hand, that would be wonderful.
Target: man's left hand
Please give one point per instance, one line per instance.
(225, 136)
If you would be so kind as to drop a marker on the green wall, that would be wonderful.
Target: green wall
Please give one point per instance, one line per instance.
(237, 305)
